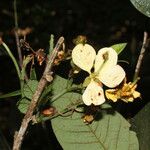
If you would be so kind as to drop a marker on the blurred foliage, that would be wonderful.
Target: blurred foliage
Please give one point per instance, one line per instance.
(72, 17)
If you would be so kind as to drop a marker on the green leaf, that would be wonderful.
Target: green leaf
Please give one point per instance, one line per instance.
(119, 47)
(141, 124)
(86, 81)
(109, 132)
(33, 74)
(60, 85)
(30, 88)
(143, 6)
(45, 94)
(28, 91)
(11, 94)
(51, 44)
(23, 105)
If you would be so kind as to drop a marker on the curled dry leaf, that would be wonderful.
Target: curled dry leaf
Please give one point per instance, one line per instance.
(23, 32)
(40, 55)
(49, 111)
(88, 119)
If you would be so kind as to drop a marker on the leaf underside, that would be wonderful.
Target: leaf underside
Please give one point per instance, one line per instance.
(141, 124)
(143, 6)
(30, 88)
(28, 91)
(109, 132)
(23, 105)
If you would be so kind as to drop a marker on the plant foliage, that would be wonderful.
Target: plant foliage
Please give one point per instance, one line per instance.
(143, 6)
(110, 131)
(119, 47)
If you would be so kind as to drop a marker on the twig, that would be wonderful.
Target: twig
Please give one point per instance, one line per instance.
(42, 83)
(71, 107)
(141, 56)
(16, 34)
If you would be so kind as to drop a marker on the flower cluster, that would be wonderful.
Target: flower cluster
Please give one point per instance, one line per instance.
(125, 92)
(106, 71)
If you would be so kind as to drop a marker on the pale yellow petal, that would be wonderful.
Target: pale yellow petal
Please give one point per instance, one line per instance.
(111, 95)
(106, 58)
(136, 94)
(93, 94)
(113, 76)
(130, 99)
(83, 56)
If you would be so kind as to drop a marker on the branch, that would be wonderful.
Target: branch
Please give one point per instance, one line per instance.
(141, 56)
(16, 34)
(42, 83)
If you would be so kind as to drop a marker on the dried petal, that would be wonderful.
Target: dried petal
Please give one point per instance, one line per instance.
(136, 94)
(88, 119)
(40, 55)
(112, 94)
(126, 93)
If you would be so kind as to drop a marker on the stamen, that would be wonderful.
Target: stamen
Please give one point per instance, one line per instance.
(105, 56)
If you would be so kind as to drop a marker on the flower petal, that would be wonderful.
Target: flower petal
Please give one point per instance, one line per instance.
(136, 94)
(83, 56)
(111, 94)
(113, 76)
(93, 94)
(106, 58)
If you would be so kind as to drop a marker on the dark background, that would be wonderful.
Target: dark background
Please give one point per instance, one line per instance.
(104, 22)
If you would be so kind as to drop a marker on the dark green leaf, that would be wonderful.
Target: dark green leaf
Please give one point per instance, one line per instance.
(143, 6)
(33, 74)
(119, 47)
(46, 91)
(29, 88)
(11, 94)
(141, 124)
(109, 132)
(23, 105)
(60, 85)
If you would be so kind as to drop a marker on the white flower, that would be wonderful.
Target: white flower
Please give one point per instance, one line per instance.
(106, 71)
(93, 94)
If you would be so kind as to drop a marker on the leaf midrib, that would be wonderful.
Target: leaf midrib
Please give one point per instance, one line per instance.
(98, 139)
